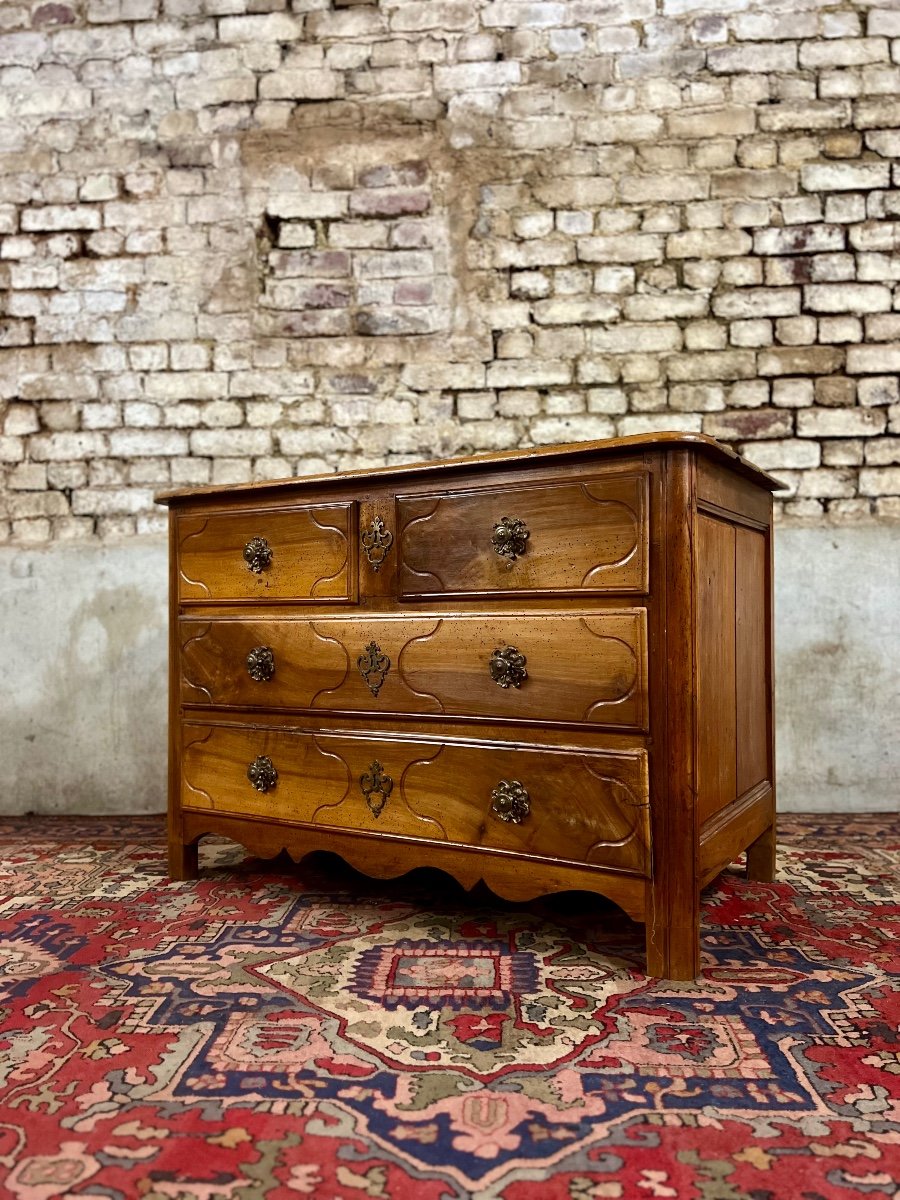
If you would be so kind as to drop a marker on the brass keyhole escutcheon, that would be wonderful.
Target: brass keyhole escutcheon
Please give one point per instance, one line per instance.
(376, 540)
(373, 665)
(376, 786)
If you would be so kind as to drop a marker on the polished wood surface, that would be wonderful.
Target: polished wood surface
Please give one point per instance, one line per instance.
(635, 758)
(590, 807)
(588, 668)
(310, 554)
(589, 535)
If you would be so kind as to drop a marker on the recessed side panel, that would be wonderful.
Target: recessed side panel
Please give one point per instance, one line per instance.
(751, 659)
(716, 679)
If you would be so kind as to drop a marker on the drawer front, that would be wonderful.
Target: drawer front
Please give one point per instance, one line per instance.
(540, 539)
(586, 668)
(298, 553)
(574, 805)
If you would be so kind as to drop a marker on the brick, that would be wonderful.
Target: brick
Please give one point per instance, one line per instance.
(873, 360)
(716, 365)
(287, 84)
(835, 422)
(804, 114)
(723, 121)
(621, 249)
(56, 216)
(799, 239)
(528, 374)
(760, 57)
(752, 424)
(757, 302)
(813, 360)
(793, 453)
(821, 177)
(588, 310)
(483, 76)
(847, 297)
(879, 481)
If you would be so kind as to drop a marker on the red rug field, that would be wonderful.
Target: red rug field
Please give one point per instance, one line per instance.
(274, 1031)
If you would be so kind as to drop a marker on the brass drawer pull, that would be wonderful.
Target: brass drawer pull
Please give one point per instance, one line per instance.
(376, 786)
(509, 538)
(510, 801)
(257, 554)
(262, 773)
(507, 667)
(373, 665)
(261, 664)
(376, 541)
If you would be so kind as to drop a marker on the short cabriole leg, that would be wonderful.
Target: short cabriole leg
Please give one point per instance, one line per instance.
(183, 860)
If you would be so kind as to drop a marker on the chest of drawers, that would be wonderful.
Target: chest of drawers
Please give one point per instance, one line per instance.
(547, 670)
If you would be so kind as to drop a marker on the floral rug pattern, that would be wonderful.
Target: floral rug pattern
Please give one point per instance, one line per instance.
(271, 1031)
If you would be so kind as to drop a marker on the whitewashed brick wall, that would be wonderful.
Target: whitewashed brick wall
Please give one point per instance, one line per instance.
(242, 239)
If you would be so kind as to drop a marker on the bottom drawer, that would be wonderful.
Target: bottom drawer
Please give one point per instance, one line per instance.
(585, 806)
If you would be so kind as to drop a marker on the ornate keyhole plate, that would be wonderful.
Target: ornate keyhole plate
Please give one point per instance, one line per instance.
(376, 541)
(373, 665)
(376, 786)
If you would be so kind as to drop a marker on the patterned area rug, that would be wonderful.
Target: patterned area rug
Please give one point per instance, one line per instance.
(272, 1031)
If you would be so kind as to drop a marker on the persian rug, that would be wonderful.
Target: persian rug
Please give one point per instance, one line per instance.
(272, 1031)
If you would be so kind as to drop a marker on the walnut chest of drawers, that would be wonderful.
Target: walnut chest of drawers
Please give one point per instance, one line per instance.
(547, 670)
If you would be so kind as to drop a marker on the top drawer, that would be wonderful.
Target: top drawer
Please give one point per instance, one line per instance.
(273, 555)
(587, 535)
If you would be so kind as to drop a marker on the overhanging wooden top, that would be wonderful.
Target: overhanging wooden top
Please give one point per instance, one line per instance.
(573, 451)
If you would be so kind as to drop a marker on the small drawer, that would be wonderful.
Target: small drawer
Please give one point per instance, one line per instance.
(577, 668)
(581, 806)
(301, 553)
(588, 535)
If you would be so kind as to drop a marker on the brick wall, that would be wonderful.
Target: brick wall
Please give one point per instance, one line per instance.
(244, 239)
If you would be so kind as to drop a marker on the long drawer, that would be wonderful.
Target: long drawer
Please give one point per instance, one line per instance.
(568, 804)
(304, 553)
(570, 537)
(577, 668)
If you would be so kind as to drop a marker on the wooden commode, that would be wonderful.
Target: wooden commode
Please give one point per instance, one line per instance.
(545, 669)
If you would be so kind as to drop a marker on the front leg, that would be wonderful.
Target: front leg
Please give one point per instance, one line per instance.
(183, 860)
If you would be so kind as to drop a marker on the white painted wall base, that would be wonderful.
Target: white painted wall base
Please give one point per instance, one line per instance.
(83, 674)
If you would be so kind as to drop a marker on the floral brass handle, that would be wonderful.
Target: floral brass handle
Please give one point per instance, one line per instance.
(376, 786)
(376, 541)
(262, 773)
(510, 801)
(257, 554)
(261, 663)
(507, 667)
(509, 538)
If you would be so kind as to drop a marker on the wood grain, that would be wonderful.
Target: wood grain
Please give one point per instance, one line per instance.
(751, 667)
(586, 667)
(311, 557)
(716, 679)
(589, 535)
(588, 807)
(643, 733)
